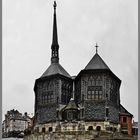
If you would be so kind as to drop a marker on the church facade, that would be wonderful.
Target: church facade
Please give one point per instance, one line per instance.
(88, 101)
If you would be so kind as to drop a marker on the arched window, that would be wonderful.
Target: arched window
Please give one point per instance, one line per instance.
(90, 128)
(90, 81)
(98, 81)
(43, 129)
(55, 53)
(50, 129)
(111, 128)
(98, 128)
(69, 115)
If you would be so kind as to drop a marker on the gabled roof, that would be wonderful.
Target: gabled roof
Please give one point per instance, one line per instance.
(55, 68)
(123, 111)
(96, 63)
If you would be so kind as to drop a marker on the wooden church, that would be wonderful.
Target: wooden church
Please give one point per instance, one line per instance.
(88, 101)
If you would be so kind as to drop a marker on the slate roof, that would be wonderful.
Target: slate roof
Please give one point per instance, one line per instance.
(71, 104)
(96, 63)
(55, 68)
(123, 111)
(61, 107)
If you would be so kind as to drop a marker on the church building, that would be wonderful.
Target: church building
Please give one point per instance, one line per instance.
(88, 101)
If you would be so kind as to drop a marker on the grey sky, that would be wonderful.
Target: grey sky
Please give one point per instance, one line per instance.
(27, 36)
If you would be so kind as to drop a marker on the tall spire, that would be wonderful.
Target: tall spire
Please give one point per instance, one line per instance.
(55, 46)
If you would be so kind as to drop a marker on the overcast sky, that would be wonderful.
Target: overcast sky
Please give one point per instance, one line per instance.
(27, 37)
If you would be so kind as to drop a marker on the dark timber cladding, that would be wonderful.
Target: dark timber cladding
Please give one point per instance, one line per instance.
(97, 88)
(54, 87)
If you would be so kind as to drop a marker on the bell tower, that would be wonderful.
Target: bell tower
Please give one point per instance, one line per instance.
(97, 90)
(55, 46)
(54, 88)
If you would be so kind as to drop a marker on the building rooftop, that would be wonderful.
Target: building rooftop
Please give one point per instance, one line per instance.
(55, 68)
(71, 104)
(96, 63)
(123, 111)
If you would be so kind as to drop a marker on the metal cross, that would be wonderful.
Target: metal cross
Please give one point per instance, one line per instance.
(96, 48)
(54, 5)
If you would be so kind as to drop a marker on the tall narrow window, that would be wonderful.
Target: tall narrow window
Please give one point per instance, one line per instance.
(100, 94)
(107, 96)
(69, 115)
(57, 99)
(82, 112)
(124, 119)
(45, 98)
(89, 95)
(57, 114)
(96, 96)
(50, 129)
(43, 129)
(107, 111)
(48, 98)
(92, 94)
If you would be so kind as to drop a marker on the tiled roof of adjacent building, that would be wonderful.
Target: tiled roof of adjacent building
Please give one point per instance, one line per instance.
(123, 111)
(96, 63)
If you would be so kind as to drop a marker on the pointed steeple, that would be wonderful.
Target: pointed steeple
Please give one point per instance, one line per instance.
(55, 46)
(55, 67)
(96, 62)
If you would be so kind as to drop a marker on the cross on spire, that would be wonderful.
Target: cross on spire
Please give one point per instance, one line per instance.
(54, 5)
(96, 48)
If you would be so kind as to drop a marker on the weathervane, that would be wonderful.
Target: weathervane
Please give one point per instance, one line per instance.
(96, 48)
